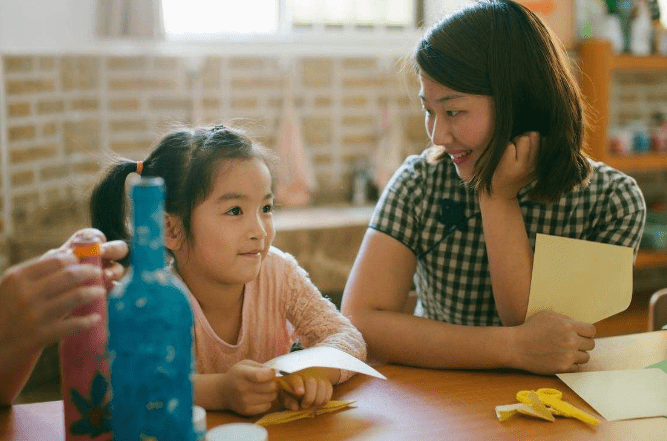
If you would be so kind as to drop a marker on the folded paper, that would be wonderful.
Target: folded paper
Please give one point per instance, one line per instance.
(291, 415)
(587, 281)
(321, 356)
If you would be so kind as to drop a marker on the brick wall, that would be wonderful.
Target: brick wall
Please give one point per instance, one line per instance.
(64, 113)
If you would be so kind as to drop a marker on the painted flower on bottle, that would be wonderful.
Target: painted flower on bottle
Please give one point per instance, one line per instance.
(95, 412)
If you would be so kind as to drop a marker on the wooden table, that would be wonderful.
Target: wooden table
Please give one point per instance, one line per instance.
(423, 404)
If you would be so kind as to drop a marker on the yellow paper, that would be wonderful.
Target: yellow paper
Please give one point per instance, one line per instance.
(321, 356)
(538, 407)
(291, 415)
(587, 281)
(507, 411)
(622, 394)
(535, 408)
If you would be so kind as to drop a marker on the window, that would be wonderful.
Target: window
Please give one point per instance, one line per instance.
(215, 19)
(201, 18)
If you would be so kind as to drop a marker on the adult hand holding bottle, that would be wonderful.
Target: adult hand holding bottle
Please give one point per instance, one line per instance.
(36, 298)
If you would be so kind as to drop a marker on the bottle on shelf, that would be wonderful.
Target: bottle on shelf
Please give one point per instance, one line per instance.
(84, 367)
(150, 334)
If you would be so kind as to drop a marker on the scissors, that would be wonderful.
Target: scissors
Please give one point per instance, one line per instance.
(552, 398)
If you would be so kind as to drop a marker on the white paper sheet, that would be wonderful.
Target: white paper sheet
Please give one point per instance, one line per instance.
(321, 356)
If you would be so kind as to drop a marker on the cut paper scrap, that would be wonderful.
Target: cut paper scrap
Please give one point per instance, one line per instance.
(587, 281)
(622, 394)
(535, 409)
(661, 365)
(321, 356)
(291, 415)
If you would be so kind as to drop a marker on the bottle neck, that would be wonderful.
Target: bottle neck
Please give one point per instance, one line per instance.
(148, 253)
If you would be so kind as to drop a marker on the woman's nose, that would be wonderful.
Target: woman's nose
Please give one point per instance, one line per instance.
(441, 132)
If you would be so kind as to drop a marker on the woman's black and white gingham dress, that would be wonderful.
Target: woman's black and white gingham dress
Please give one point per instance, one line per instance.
(426, 207)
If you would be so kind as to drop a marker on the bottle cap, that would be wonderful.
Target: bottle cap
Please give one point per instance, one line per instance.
(238, 431)
(88, 250)
(199, 422)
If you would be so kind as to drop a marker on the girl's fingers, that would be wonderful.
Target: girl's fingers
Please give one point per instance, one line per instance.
(324, 392)
(296, 381)
(289, 402)
(310, 392)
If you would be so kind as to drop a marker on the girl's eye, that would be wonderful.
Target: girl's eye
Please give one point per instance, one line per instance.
(426, 111)
(234, 211)
(267, 208)
(452, 112)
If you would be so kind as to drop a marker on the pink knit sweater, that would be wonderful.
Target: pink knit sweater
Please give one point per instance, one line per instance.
(280, 306)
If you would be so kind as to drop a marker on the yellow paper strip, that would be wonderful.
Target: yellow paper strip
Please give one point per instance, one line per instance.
(293, 415)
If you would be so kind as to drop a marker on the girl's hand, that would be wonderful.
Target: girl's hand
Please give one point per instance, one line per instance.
(516, 167)
(312, 386)
(111, 253)
(248, 388)
(549, 343)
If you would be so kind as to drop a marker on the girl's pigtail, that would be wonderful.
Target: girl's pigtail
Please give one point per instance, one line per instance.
(108, 202)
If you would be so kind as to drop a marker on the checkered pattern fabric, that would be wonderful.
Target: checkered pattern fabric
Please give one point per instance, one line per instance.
(429, 209)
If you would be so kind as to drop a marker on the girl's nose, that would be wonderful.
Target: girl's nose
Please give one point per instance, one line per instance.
(258, 229)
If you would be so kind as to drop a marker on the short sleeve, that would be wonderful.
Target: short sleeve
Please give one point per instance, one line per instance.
(623, 214)
(396, 213)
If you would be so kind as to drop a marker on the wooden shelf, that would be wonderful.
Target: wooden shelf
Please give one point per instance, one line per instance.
(598, 62)
(651, 63)
(642, 162)
(651, 259)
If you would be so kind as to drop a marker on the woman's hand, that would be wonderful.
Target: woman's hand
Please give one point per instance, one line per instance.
(549, 343)
(248, 388)
(312, 386)
(517, 166)
(111, 253)
(36, 296)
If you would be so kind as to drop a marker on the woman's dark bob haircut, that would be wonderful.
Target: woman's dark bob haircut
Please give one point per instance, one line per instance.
(503, 50)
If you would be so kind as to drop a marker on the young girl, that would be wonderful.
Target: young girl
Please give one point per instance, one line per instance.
(250, 299)
(506, 120)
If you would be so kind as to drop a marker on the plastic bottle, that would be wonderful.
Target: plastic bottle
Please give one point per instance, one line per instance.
(150, 334)
(84, 367)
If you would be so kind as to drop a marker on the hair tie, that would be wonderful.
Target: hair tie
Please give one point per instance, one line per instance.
(218, 127)
(140, 167)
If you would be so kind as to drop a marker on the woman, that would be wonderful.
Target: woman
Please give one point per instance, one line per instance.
(506, 120)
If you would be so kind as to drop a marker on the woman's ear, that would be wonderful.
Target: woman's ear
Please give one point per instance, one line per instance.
(173, 232)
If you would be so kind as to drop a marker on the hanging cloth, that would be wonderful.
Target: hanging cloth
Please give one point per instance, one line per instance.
(392, 145)
(295, 180)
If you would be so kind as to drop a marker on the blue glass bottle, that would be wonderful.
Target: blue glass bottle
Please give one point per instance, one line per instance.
(150, 334)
